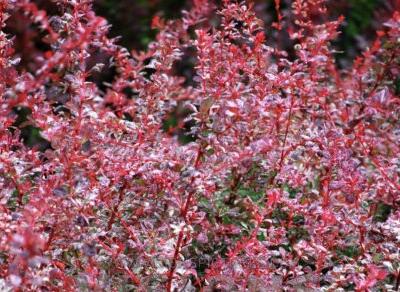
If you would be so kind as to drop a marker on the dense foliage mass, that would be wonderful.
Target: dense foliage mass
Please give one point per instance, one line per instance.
(289, 176)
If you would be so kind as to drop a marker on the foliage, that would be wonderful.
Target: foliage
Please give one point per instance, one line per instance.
(290, 178)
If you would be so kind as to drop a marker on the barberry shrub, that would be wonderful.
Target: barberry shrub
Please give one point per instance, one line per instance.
(289, 179)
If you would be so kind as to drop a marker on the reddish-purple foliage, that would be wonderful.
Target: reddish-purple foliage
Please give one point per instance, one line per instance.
(291, 182)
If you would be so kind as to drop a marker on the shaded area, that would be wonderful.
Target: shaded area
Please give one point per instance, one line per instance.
(131, 20)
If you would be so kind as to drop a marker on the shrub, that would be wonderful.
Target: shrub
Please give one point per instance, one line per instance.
(290, 178)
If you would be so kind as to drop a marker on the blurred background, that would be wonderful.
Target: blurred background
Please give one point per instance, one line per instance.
(131, 19)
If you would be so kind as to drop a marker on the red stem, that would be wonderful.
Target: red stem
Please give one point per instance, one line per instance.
(181, 232)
